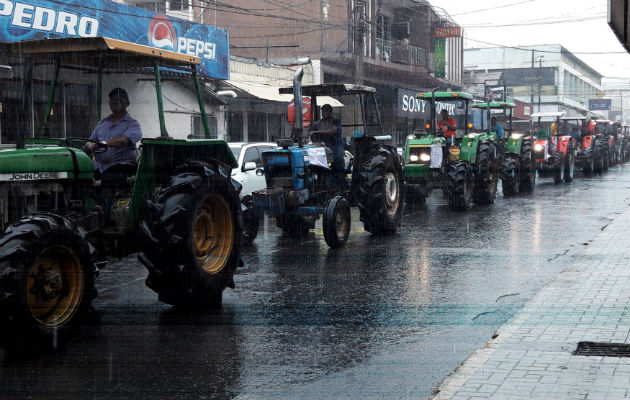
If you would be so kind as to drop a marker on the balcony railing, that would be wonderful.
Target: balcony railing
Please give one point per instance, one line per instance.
(397, 51)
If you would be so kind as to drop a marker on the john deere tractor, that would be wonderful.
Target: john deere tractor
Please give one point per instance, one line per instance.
(301, 185)
(517, 166)
(466, 170)
(181, 211)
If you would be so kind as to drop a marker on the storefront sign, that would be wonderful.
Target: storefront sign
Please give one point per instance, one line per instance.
(39, 19)
(411, 107)
(599, 104)
(451, 31)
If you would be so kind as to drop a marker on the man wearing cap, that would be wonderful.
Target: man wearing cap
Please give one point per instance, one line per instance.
(120, 133)
(329, 131)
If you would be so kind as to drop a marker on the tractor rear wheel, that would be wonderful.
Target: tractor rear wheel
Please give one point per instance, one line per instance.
(486, 181)
(194, 230)
(528, 168)
(336, 222)
(47, 274)
(381, 192)
(598, 160)
(511, 180)
(459, 185)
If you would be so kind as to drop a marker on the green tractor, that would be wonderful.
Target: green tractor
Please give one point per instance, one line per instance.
(465, 170)
(181, 211)
(517, 167)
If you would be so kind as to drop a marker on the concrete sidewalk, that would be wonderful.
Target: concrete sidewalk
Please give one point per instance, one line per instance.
(531, 358)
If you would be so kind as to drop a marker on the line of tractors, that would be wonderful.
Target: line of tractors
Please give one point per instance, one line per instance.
(185, 216)
(468, 170)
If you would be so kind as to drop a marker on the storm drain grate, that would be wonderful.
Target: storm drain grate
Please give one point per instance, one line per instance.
(594, 349)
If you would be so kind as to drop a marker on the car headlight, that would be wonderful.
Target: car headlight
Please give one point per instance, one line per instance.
(413, 157)
(425, 157)
(538, 147)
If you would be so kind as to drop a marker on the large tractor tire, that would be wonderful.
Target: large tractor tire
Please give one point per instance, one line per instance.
(528, 168)
(589, 168)
(193, 233)
(486, 179)
(336, 222)
(511, 176)
(381, 192)
(558, 174)
(569, 164)
(47, 275)
(459, 186)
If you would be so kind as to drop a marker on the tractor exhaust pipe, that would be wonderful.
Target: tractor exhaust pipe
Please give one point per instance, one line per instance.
(298, 123)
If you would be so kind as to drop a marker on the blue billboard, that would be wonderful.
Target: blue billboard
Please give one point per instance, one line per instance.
(599, 104)
(39, 19)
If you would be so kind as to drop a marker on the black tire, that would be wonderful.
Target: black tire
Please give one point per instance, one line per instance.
(459, 185)
(336, 222)
(589, 168)
(193, 232)
(250, 220)
(528, 168)
(569, 164)
(486, 179)
(606, 159)
(511, 176)
(598, 160)
(558, 175)
(47, 274)
(381, 192)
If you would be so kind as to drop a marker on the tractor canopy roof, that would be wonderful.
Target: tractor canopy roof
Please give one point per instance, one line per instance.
(548, 114)
(330, 89)
(495, 105)
(445, 96)
(576, 118)
(98, 52)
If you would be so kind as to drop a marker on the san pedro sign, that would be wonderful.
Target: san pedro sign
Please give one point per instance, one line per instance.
(39, 19)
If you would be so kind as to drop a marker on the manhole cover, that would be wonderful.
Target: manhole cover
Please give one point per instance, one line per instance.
(602, 349)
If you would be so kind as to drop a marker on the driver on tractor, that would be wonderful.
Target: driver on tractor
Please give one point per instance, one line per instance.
(328, 131)
(120, 133)
(447, 126)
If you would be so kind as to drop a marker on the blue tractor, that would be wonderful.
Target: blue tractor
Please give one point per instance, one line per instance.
(301, 186)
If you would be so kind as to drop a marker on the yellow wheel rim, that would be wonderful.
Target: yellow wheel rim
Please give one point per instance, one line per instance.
(54, 286)
(213, 233)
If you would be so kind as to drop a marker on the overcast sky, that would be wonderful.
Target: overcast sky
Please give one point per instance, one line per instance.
(578, 25)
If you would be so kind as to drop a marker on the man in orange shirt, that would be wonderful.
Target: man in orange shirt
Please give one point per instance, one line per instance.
(447, 126)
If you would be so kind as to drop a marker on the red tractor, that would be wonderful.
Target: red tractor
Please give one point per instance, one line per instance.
(554, 155)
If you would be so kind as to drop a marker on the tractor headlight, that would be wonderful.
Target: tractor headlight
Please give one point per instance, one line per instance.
(425, 157)
(410, 137)
(413, 157)
(471, 136)
(538, 147)
(516, 136)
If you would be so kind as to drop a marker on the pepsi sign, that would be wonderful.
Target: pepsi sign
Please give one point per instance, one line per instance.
(39, 19)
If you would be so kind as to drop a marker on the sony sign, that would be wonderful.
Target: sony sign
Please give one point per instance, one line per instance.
(24, 15)
(412, 107)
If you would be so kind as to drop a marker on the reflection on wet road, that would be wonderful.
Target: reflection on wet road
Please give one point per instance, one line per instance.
(383, 317)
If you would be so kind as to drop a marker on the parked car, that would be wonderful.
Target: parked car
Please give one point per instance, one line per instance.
(249, 158)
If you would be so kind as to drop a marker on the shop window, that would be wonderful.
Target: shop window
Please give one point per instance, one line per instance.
(197, 127)
(234, 127)
(256, 127)
(178, 5)
(274, 125)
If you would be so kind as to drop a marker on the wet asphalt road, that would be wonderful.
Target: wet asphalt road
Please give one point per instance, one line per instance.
(382, 318)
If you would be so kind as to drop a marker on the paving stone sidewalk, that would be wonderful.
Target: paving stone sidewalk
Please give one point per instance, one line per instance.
(531, 358)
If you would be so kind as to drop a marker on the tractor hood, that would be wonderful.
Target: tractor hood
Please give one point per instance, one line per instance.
(44, 163)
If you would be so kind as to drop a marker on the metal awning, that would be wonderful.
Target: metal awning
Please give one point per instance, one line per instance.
(271, 93)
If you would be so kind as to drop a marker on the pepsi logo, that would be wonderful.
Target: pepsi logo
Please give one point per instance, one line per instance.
(161, 33)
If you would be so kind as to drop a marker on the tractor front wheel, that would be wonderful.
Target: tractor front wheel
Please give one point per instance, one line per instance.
(511, 176)
(569, 165)
(486, 180)
(558, 175)
(528, 168)
(336, 222)
(459, 185)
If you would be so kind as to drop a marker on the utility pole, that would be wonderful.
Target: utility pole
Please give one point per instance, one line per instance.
(359, 30)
